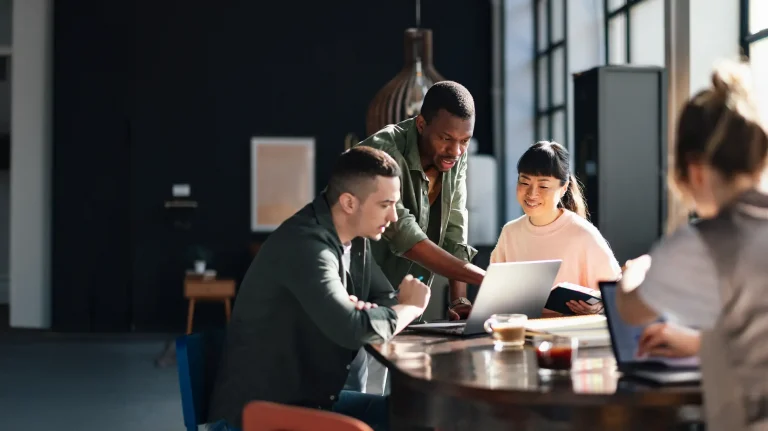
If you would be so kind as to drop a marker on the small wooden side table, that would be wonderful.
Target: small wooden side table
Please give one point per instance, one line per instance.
(207, 289)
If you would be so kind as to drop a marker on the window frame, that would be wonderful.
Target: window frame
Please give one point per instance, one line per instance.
(747, 38)
(550, 47)
(609, 15)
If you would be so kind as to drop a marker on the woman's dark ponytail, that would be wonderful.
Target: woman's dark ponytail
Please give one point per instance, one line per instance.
(573, 199)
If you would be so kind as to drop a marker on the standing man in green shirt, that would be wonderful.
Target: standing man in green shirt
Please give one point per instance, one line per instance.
(430, 235)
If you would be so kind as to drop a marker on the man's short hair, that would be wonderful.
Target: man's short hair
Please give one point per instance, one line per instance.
(451, 96)
(355, 171)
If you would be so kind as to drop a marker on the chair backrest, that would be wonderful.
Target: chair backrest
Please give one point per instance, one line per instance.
(197, 358)
(266, 416)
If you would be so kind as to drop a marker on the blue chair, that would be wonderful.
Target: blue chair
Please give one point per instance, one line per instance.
(197, 358)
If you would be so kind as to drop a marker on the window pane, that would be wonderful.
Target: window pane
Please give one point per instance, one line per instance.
(615, 4)
(558, 25)
(543, 83)
(617, 35)
(558, 76)
(543, 129)
(647, 33)
(558, 128)
(758, 58)
(5, 23)
(758, 15)
(542, 24)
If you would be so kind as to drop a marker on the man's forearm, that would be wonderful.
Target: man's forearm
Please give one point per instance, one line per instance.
(427, 254)
(457, 289)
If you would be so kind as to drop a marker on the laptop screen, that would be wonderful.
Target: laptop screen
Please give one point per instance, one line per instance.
(624, 337)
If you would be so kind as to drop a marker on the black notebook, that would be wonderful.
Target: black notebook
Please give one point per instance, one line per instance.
(565, 292)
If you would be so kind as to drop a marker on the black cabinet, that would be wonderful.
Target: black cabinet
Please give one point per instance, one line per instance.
(620, 140)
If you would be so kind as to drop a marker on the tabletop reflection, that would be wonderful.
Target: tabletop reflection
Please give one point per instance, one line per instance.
(475, 362)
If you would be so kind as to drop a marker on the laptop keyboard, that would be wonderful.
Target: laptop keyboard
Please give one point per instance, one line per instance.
(457, 330)
(451, 328)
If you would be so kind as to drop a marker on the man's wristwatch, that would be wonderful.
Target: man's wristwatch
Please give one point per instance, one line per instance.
(460, 301)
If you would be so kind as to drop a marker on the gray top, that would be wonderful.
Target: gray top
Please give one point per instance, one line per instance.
(682, 284)
(734, 355)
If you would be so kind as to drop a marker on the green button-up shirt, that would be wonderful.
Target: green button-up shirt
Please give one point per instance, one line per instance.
(294, 332)
(401, 142)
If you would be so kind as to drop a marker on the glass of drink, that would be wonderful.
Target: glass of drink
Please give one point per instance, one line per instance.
(554, 354)
(507, 330)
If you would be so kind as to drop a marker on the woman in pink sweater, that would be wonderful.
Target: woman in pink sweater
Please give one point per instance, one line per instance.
(555, 224)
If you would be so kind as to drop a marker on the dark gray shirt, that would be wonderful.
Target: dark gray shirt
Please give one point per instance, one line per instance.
(294, 331)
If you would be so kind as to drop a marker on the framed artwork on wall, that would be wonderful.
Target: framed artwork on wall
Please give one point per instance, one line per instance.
(282, 179)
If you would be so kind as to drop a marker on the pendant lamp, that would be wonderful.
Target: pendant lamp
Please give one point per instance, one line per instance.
(401, 98)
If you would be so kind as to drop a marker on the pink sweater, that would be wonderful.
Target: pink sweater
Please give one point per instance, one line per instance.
(587, 257)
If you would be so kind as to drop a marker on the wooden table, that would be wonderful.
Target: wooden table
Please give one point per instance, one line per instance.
(207, 289)
(464, 384)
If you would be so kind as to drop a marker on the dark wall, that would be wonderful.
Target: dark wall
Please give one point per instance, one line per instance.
(152, 93)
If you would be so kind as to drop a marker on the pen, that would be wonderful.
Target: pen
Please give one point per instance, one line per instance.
(394, 294)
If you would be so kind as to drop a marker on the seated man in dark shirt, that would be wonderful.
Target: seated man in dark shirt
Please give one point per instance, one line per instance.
(314, 296)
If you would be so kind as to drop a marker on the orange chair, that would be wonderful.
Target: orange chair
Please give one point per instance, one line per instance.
(266, 416)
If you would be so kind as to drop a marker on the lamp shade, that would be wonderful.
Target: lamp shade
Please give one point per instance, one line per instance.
(401, 97)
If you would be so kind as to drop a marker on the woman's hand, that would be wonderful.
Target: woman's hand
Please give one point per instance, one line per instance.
(581, 307)
(634, 272)
(668, 340)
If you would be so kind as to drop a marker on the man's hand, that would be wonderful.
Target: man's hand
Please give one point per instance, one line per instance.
(413, 292)
(581, 307)
(459, 311)
(459, 306)
(666, 339)
(361, 305)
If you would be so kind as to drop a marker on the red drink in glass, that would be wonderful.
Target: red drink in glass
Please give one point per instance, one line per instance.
(555, 354)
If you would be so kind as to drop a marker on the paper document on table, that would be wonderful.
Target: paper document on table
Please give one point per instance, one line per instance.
(586, 337)
(571, 323)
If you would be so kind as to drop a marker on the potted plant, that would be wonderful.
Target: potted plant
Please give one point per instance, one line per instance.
(200, 257)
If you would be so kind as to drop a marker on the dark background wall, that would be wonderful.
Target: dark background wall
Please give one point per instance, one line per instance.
(152, 93)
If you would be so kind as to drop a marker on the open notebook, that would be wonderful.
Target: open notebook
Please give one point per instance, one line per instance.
(591, 330)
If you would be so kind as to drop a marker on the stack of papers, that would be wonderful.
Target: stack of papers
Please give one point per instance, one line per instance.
(591, 330)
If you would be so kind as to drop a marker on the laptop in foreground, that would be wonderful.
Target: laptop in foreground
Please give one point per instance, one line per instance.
(508, 287)
(624, 341)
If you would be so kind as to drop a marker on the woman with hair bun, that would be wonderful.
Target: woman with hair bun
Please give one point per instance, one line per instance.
(712, 276)
(719, 160)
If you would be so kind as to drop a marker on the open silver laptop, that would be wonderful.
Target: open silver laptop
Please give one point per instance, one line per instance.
(509, 287)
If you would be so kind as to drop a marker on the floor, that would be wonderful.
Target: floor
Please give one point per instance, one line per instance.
(94, 382)
(88, 383)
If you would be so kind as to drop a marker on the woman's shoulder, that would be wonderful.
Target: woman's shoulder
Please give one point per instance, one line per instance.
(513, 228)
(581, 226)
(685, 240)
(516, 223)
